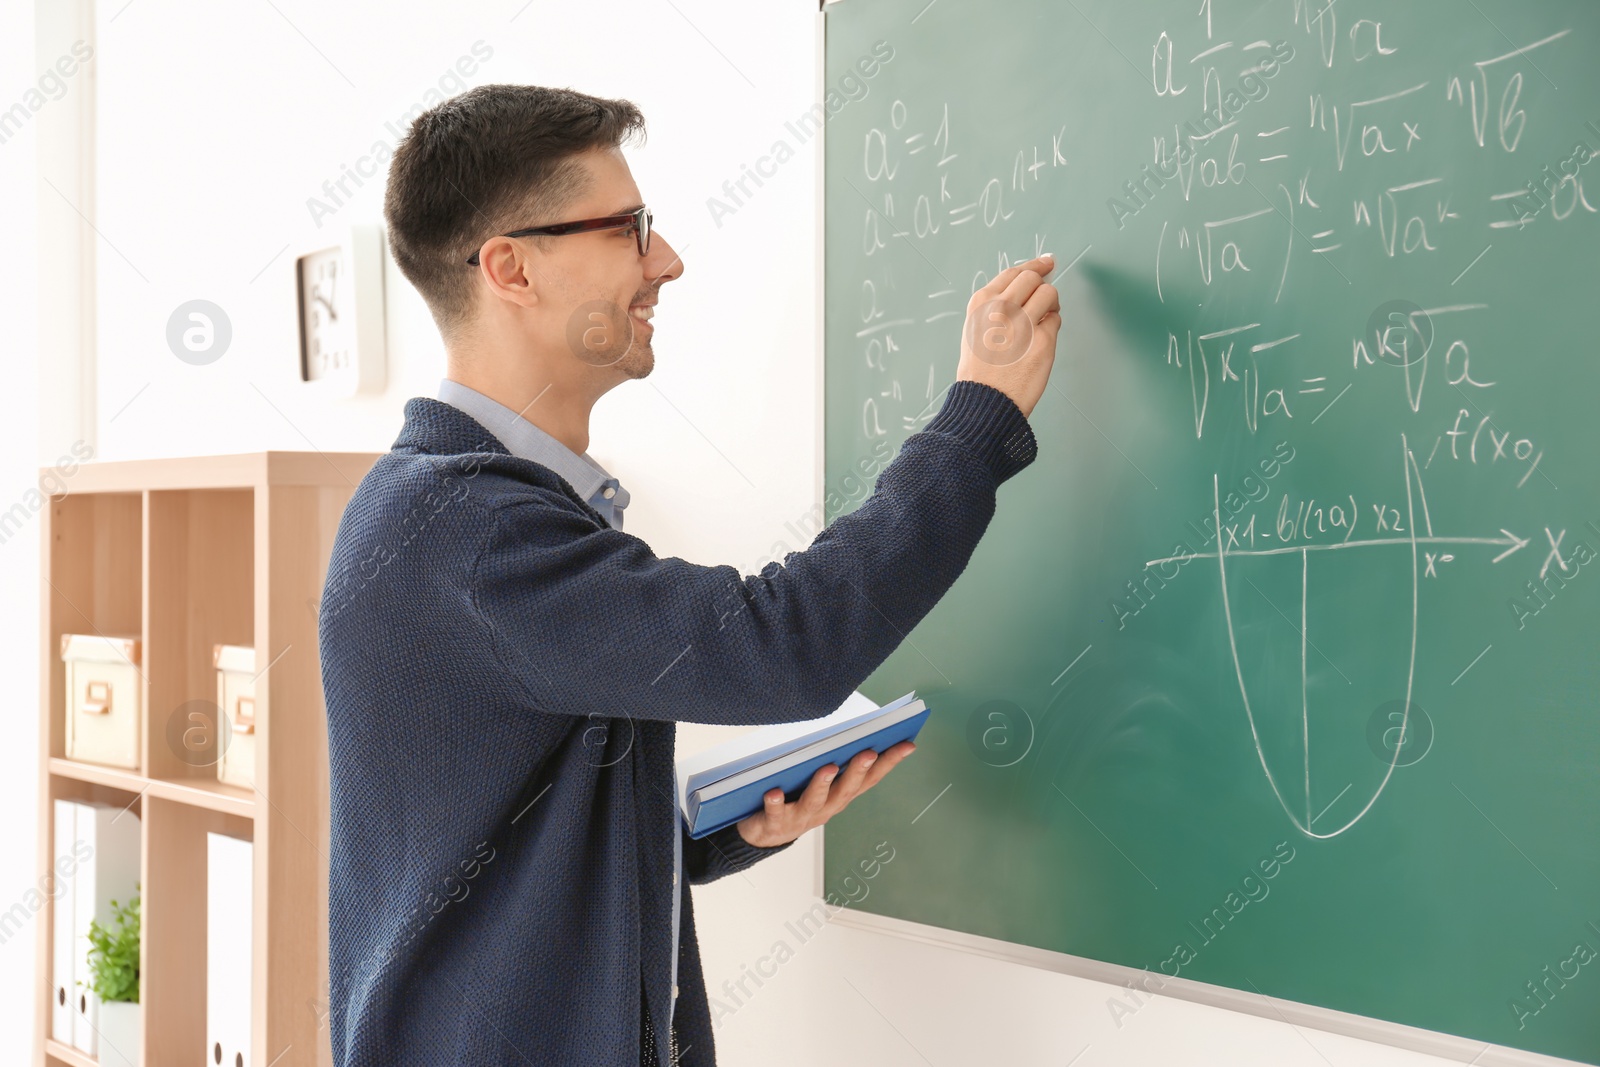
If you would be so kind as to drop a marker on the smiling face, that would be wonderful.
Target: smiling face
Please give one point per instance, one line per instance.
(589, 295)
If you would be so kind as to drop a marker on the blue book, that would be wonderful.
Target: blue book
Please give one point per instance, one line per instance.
(727, 783)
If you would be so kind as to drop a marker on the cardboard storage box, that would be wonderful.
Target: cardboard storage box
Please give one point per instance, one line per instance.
(105, 695)
(236, 699)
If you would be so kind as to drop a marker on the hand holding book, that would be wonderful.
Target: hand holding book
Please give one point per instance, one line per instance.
(829, 793)
(779, 781)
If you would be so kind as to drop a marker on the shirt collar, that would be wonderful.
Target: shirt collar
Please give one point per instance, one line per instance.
(526, 441)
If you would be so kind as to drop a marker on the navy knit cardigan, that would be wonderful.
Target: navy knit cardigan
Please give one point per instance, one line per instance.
(503, 672)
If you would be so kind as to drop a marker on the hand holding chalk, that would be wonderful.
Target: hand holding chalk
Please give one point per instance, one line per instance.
(1009, 341)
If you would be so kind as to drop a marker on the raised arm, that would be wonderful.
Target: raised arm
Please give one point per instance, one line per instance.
(591, 621)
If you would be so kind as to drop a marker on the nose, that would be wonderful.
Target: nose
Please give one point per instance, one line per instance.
(662, 264)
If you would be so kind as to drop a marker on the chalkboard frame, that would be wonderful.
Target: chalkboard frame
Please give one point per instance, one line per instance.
(1380, 1031)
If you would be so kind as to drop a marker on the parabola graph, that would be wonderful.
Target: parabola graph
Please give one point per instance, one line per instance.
(1416, 496)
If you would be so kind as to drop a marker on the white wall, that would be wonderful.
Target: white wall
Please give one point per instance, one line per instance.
(19, 553)
(217, 122)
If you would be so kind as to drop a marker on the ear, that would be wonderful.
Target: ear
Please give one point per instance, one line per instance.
(509, 272)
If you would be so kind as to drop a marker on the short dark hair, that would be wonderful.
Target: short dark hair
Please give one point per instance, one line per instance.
(493, 159)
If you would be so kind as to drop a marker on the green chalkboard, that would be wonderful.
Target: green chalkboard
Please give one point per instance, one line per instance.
(1347, 752)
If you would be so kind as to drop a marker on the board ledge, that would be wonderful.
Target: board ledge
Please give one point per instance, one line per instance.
(1381, 1031)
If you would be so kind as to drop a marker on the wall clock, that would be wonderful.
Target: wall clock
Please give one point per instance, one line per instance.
(339, 296)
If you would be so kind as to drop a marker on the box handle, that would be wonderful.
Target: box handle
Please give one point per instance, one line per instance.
(244, 715)
(97, 699)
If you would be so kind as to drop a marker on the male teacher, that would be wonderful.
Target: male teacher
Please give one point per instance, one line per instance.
(504, 665)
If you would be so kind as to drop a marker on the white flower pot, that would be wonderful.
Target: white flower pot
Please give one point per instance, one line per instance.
(119, 1033)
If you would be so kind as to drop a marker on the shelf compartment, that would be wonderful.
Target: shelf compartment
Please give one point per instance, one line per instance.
(173, 973)
(202, 573)
(98, 785)
(94, 573)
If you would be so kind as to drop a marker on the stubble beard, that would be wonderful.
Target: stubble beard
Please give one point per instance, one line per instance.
(639, 361)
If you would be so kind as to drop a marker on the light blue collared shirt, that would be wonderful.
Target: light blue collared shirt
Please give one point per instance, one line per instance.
(605, 494)
(591, 481)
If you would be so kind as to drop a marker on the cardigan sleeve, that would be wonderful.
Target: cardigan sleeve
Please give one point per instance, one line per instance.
(720, 853)
(590, 622)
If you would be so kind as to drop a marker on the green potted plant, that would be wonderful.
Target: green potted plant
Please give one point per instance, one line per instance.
(114, 966)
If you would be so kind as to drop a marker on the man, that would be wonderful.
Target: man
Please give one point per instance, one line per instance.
(504, 666)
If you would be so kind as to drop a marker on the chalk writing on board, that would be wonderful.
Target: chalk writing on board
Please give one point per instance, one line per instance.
(1314, 530)
(1280, 203)
(1377, 258)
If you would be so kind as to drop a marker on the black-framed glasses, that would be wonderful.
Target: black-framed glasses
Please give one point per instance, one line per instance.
(639, 220)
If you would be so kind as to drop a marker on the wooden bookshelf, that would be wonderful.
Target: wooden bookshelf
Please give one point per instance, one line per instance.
(188, 553)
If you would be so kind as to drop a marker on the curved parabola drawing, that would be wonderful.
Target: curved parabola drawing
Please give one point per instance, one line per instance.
(1415, 498)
